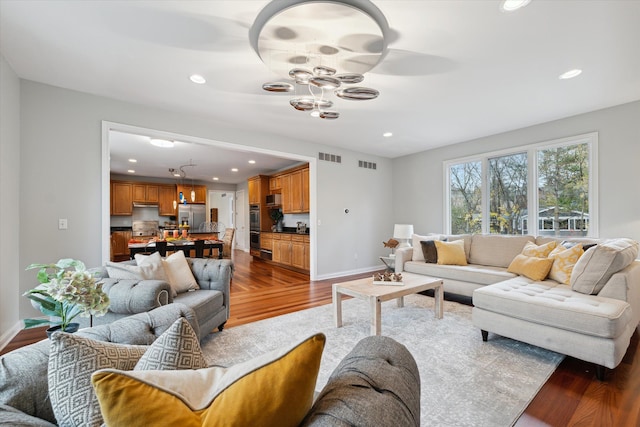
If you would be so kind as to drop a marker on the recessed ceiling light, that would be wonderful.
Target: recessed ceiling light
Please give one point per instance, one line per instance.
(315, 113)
(215, 178)
(511, 5)
(253, 162)
(387, 134)
(176, 174)
(570, 74)
(163, 143)
(133, 161)
(131, 171)
(234, 170)
(197, 78)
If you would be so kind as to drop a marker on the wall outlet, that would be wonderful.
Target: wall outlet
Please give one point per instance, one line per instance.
(62, 224)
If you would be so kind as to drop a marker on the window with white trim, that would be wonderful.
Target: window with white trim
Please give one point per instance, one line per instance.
(550, 184)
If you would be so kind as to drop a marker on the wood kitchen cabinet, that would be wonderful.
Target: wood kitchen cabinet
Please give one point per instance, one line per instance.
(200, 190)
(275, 184)
(166, 197)
(291, 250)
(282, 249)
(266, 241)
(145, 193)
(297, 251)
(121, 198)
(258, 188)
(295, 191)
(120, 245)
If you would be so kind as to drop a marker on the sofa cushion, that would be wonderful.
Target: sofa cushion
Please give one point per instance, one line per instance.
(480, 274)
(563, 262)
(23, 380)
(554, 304)
(429, 251)
(599, 263)
(276, 388)
(496, 250)
(451, 253)
(541, 251)
(417, 254)
(530, 266)
(177, 348)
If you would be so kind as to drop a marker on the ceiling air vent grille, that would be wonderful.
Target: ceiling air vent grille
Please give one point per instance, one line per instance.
(330, 157)
(367, 165)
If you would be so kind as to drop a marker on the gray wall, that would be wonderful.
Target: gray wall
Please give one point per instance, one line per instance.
(61, 178)
(10, 265)
(421, 175)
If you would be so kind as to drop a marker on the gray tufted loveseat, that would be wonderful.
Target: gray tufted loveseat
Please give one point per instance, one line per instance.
(210, 303)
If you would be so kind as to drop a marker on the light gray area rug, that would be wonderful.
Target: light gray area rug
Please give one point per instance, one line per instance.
(464, 381)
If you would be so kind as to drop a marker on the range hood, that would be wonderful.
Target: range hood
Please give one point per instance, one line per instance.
(145, 205)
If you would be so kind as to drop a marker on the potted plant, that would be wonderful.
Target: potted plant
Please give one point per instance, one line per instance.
(276, 215)
(66, 290)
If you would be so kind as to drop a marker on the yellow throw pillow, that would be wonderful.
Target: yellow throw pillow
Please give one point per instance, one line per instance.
(275, 389)
(532, 267)
(451, 253)
(542, 251)
(563, 262)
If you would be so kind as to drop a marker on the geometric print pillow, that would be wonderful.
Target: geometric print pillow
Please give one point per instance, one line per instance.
(563, 262)
(177, 348)
(72, 360)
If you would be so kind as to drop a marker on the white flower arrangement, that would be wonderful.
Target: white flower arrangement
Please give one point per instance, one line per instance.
(65, 293)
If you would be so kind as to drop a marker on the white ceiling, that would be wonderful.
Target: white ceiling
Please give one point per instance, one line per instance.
(453, 71)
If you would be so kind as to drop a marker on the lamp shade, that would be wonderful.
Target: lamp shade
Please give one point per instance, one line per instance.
(402, 231)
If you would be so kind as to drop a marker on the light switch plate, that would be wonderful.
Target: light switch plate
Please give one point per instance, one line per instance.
(62, 224)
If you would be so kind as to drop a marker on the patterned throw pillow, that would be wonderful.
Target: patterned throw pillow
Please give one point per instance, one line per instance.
(542, 251)
(275, 389)
(563, 262)
(72, 360)
(177, 348)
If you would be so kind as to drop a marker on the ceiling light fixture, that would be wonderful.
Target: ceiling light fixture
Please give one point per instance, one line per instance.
(570, 74)
(162, 143)
(133, 161)
(318, 68)
(234, 170)
(513, 5)
(131, 171)
(215, 178)
(387, 134)
(253, 162)
(198, 79)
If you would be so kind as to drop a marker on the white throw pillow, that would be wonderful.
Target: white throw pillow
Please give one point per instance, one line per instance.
(155, 264)
(594, 269)
(180, 276)
(417, 254)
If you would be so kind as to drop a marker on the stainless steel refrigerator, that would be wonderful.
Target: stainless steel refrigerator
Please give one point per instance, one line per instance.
(194, 214)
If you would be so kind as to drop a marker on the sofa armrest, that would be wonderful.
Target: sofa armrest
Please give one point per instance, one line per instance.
(377, 383)
(625, 286)
(129, 296)
(403, 255)
(213, 274)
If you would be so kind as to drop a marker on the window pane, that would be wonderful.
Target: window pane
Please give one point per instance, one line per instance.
(466, 197)
(508, 193)
(563, 195)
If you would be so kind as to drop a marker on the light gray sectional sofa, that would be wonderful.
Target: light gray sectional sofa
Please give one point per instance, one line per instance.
(135, 295)
(592, 318)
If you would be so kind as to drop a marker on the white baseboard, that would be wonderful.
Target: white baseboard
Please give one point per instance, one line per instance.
(10, 334)
(350, 272)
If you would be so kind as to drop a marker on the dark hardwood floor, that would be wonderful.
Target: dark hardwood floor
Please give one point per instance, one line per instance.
(571, 397)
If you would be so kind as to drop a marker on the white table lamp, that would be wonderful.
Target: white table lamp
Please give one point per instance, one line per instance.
(402, 233)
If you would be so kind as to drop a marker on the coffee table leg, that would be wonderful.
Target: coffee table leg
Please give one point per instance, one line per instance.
(439, 300)
(400, 302)
(376, 315)
(337, 306)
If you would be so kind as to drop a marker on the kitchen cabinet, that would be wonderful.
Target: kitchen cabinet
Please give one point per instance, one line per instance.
(291, 250)
(145, 193)
(266, 241)
(258, 188)
(295, 191)
(166, 197)
(121, 198)
(200, 190)
(275, 184)
(120, 245)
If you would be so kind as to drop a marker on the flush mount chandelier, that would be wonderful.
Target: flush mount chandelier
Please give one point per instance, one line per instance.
(324, 47)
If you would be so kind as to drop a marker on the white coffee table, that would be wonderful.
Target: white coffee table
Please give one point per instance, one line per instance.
(375, 294)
